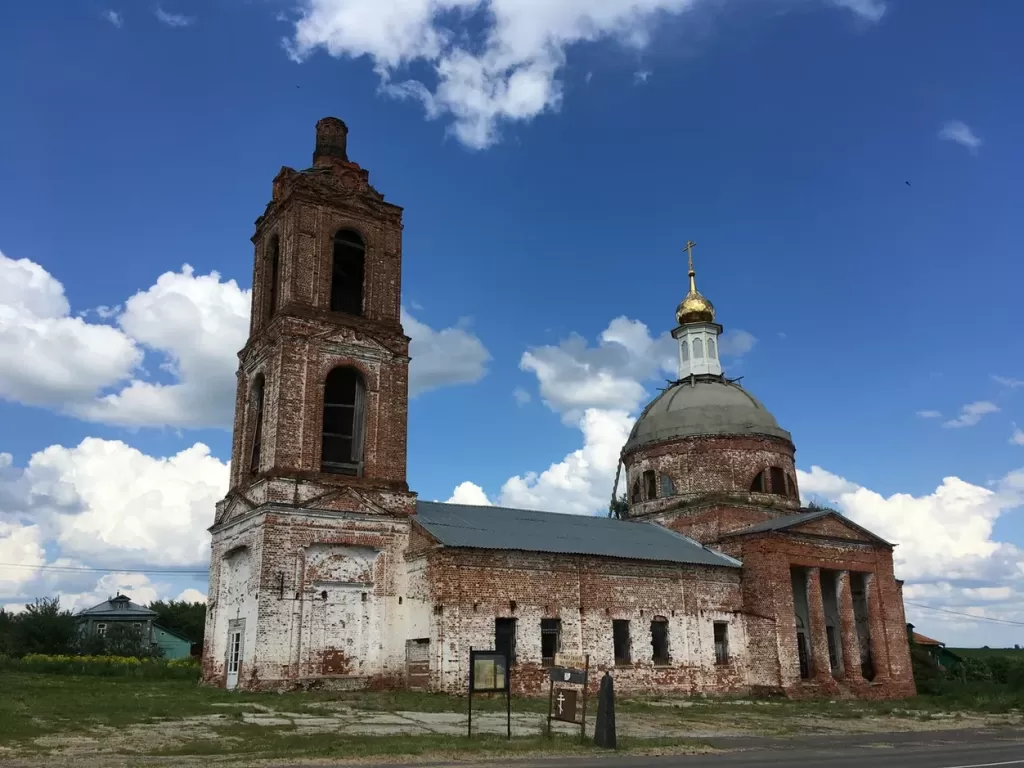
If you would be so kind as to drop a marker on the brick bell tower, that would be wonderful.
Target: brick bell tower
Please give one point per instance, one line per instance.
(323, 380)
(318, 500)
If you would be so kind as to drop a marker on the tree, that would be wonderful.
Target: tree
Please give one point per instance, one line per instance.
(45, 628)
(7, 629)
(619, 507)
(185, 618)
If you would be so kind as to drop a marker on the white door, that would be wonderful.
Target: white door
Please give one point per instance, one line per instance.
(234, 656)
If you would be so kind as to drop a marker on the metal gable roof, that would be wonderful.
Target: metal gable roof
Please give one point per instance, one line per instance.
(118, 607)
(461, 525)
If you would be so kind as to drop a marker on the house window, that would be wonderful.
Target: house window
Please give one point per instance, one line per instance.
(758, 485)
(275, 270)
(101, 630)
(778, 478)
(550, 640)
(347, 273)
(620, 639)
(505, 638)
(634, 496)
(668, 488)
(659, 640)
(651, 483)
(342, 446)
(257, 432)
(721, 642)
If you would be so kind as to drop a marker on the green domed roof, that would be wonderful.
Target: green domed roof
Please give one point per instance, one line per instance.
(703, 406)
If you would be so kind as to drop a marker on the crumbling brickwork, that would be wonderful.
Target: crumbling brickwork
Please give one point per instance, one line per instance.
(320, 573)
(470, 589)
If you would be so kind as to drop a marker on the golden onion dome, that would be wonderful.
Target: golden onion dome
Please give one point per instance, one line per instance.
(695, 307)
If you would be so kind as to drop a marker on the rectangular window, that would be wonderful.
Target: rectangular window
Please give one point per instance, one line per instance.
(505, 638)
(620, 637)
(721, 642)
(550, 640)
(651, 484)
(101, 629)
(659, 639)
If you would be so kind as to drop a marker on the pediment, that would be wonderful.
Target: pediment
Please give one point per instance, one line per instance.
(345, 500)
(834, 528)
(234, 506)
(826, 524)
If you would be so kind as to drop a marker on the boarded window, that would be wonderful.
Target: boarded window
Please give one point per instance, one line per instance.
(550, 640)
(505, 638)
(758, 485)
(659, 640)
(668, 488)
(344, 396)
(274, 269)
(721, 642)
(257, 429)
(651, 484)
(347, 273)
(620, 639)
(778, 478)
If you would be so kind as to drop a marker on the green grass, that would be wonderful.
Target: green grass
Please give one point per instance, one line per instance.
(34, 705)
(288, 742)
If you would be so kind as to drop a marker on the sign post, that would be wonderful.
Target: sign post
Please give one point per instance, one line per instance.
(568, 671)
(489, 673)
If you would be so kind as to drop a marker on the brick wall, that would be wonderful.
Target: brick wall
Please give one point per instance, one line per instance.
(470, 589)
(699, 466)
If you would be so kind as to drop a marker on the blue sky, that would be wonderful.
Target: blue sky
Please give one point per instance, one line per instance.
(551, 165)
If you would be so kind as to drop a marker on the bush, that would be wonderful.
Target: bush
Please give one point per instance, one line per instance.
(104, 666)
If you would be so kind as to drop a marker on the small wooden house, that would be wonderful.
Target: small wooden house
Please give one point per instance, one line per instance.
(121, 610)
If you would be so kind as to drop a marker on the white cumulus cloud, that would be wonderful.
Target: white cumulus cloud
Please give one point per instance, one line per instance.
(104, 504)
(960, 133)
(167, 356)
(443, 358)
(971, 414)
(469, 493)
(493, 61)
(172, 19)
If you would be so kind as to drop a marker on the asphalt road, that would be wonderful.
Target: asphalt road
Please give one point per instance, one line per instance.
(988, 748)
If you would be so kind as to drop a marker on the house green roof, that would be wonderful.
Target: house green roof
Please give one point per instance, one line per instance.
(120, 607)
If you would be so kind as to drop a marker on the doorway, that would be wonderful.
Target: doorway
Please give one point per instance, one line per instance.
(235, 631)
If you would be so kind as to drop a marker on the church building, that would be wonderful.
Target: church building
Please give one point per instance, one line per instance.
(326, 570)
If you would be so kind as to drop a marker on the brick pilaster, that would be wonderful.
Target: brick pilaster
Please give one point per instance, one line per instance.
(848, 631)
(819, 639)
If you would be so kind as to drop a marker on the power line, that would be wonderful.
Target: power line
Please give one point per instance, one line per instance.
(76, 569)
(968, 615)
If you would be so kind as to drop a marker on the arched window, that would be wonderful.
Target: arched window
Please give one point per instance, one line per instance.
(274, 275)
(712, 353)
(778, 480)
(347, 273)
(698, 349)
(634, 496)
(651, 483)
(792, 487)
(258, 386)
(684, 350)
(758, 485)
(342, 446)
